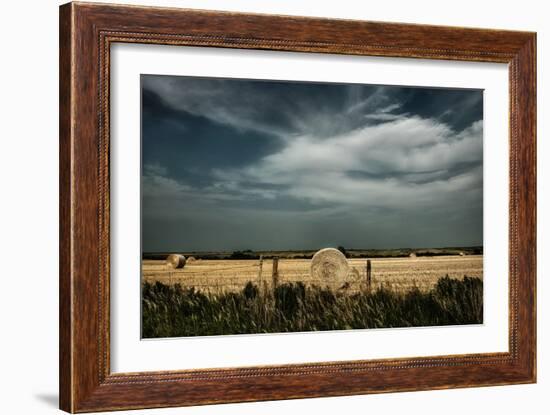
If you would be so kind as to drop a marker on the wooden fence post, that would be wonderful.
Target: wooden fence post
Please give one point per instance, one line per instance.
(275, 273)
(369, 275)
(260, 271)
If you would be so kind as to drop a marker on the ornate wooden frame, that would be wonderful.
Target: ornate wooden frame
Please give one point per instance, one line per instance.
(86, 33)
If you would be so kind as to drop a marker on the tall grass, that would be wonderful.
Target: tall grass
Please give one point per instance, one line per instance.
(173, 311)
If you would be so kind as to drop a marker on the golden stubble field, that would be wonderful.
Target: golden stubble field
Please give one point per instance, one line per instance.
(399, 274)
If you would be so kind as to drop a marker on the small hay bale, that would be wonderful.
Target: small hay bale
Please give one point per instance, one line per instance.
(175, 261)
(191, 259)
(412, 255)
(329, 264)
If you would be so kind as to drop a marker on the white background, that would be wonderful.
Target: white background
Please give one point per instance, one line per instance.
(28, 208)
(129, 354)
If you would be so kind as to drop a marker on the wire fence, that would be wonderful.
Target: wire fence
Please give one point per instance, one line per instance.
(208, 276)
(217, 276)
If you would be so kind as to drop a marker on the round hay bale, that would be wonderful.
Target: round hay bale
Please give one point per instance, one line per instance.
(329, 264)
(175, 261)
(412, 255)
(190, 259)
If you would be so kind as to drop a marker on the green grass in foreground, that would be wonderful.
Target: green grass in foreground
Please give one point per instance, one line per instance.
(176, 312)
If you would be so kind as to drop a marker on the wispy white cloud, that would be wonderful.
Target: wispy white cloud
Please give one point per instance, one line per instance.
(279, 110)
(406, 161)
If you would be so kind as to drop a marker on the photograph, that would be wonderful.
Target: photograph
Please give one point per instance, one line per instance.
(273, 206)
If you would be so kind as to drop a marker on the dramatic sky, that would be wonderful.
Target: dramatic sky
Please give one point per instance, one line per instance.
(233, 164)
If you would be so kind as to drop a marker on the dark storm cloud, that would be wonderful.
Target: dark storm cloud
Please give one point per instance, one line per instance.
(457, 108)
(237, 164)
(419, 177)
(188, 145)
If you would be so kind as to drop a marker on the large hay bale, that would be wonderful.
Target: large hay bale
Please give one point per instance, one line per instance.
(329, 264)
(175, 261)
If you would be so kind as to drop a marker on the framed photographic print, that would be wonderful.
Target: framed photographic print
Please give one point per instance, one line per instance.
(258, 207)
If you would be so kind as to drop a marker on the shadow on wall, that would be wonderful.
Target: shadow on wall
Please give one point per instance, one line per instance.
(50, 399)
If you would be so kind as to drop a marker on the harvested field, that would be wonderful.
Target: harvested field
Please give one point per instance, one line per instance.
(396, 274)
